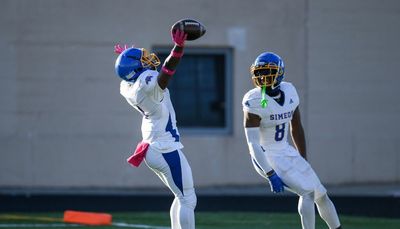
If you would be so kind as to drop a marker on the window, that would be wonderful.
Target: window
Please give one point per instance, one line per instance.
(201, 90)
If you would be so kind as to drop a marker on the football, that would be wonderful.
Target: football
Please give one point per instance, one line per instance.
(194, 29)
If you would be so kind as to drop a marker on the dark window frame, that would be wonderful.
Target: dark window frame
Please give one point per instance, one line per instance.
(228, 69)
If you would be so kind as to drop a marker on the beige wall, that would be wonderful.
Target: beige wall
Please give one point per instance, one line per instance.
(353, 90)
(64, 124)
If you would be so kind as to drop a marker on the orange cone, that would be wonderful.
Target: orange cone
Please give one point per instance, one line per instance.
(89, 218)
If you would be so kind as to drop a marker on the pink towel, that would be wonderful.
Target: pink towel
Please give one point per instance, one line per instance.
(139, 154)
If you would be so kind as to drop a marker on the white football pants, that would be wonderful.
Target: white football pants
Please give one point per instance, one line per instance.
(295, 172)
(175, 172)
(301, 179)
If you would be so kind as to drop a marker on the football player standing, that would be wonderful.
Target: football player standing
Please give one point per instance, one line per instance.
(269, 109)
(145, 89)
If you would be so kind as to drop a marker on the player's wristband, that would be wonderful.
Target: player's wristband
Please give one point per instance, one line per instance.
(176, 54)
(167, 71)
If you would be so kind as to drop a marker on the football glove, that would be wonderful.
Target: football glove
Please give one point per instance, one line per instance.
(179, 37)
(276, 183)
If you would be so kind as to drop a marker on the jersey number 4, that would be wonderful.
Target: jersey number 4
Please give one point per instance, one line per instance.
(280, 132)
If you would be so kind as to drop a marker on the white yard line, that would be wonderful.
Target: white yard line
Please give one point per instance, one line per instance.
(138, 226)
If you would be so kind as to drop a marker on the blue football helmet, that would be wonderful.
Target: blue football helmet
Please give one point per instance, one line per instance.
(133, 61)
(268, 70)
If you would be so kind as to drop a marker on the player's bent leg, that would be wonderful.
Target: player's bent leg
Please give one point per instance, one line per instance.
(327, 211)
(301, 179)
(298, 175)
(187, 204)
(307, 211)
(174, 170)
(182, 210)
(187, 199)
(174, 213)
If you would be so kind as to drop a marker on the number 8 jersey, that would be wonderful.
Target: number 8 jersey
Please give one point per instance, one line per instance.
(159, 121)
(275, 118)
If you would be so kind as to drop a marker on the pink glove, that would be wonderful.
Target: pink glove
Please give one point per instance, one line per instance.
(179, 37)
(118, 49)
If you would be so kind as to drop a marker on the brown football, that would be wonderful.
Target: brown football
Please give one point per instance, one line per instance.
(194, 29)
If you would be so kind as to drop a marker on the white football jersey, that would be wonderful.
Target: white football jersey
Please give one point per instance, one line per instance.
(275, 118)
(159, 121)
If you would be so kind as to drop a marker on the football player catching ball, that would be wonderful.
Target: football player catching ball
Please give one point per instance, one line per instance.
(145, 89)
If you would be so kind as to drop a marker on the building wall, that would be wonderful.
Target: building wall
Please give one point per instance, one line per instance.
(353, 52)
(63, 123)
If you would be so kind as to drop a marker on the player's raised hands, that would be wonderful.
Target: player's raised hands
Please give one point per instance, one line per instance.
(179, 37)
(276, 183)
(119, 49)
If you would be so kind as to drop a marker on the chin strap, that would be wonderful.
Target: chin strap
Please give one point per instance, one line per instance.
(264, 101)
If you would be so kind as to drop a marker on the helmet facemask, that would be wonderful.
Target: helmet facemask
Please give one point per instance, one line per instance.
(149, 60)
(266, 75)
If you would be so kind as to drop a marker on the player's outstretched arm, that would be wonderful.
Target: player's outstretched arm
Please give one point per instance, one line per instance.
(297, 133)
(252, 131)
(172, 61)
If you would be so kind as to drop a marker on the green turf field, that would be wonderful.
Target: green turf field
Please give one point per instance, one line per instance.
(204, 220)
